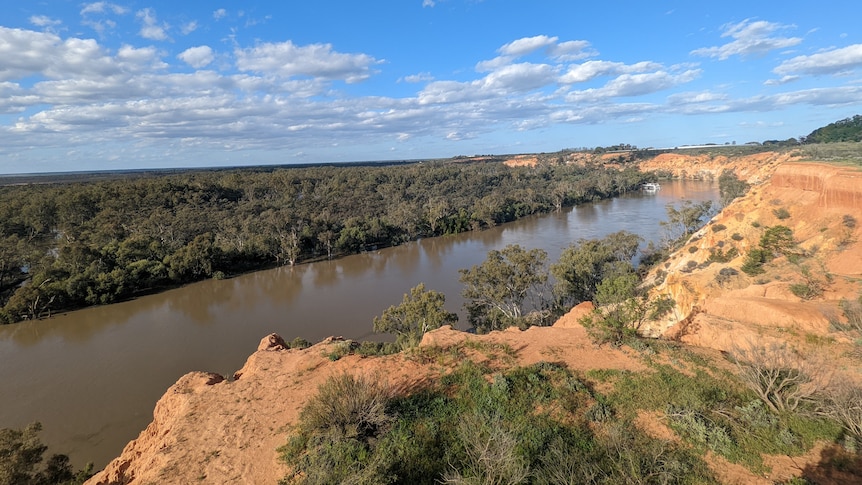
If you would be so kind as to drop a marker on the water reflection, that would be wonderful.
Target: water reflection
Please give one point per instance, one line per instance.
(93, 376)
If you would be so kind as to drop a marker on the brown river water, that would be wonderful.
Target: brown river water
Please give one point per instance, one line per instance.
(92, 377)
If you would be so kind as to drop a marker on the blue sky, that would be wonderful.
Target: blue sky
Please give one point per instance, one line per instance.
(152, 84)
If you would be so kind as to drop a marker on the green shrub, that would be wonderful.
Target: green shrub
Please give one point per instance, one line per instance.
(718, 227)
(781, 213)
(719, 256)
(754, 260)
(806, 291)
(337, 430)
(298, 343)
(736, 236)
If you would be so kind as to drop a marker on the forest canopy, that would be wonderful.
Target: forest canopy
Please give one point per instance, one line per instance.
(68, 245)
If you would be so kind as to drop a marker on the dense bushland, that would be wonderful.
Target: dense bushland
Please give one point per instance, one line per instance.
(848, 129)
(69, 245)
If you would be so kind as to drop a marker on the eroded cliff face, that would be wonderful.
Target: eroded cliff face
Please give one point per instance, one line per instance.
(719, 306)
(754, 169)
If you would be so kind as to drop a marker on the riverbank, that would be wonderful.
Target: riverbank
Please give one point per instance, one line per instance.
(216, 430)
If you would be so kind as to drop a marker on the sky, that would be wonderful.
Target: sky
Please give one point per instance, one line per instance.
(202, 83)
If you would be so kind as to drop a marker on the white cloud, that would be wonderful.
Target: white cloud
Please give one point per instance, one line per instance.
(189, 27)
(519, 77)
(103, 7)
(591, 69)
(220, 14)
(417, 78)
(527, 45)
(779, 82)
(505, 81)
(695, 97)
(627, 85)
(26, 53)
(150, 28)
(571, 50)
(428, 3)
(561, 52)
(827, 62)
(197, 57)
(316, 60)
(749, 39)
(44, 21)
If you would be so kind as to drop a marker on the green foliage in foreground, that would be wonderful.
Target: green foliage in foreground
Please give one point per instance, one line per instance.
(717, 412)
(529, 425)
(21, 455)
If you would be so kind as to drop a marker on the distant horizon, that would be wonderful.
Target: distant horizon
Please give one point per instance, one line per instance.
(393, 161)
(117, 85)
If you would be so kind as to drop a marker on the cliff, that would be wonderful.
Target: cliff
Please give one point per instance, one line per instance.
(719, 306)
(754, 169)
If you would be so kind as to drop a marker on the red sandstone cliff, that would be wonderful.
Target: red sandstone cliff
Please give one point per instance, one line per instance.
(721, 312)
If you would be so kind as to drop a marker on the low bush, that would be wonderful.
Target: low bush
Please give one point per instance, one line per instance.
(724, 275)
(298, 343)
(781, 213)
(753, 264)
(719, 256)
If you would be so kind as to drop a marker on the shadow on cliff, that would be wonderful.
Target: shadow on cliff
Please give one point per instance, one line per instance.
(836, 466)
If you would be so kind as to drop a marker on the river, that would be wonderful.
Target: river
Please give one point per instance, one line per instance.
(92, 376)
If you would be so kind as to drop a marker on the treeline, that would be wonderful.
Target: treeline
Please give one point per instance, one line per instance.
(848, 129)
(64, 246)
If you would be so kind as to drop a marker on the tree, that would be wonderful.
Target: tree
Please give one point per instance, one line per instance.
(21, 453)
(504, 287)
(623, 306)
(778, 240)
(583, 265)
(683, 221)
(419, 312)
(730, 187)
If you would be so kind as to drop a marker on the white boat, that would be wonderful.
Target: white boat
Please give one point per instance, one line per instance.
(651, 187)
